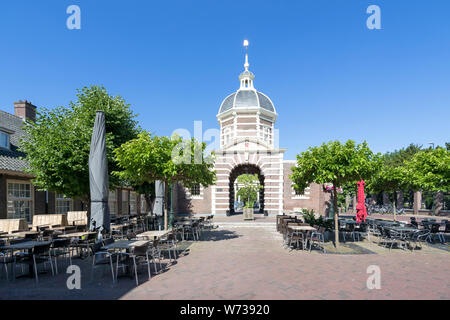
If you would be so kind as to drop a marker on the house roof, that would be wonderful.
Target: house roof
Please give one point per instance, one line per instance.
(10, 158)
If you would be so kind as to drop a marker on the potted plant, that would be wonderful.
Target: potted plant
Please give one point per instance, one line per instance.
(248, 188)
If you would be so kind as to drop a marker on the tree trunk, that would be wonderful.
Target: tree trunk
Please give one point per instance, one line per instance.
(417, 202)
(166, 203)
(438, 202)
(336, 218)
(394, 209)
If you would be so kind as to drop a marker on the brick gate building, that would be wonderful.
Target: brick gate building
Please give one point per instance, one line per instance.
(249, 144)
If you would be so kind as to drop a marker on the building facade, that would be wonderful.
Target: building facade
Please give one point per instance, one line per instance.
(248, 144)
(19, 198)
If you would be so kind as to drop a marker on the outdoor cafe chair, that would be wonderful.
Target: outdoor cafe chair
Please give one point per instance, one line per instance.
(155, 251)
(413, 222)
(395, 237)
(171, 242)
(446, 231)
(362, 229)
(61, 248)
(297, 237)
(347, 228)
(46, 235)
(317, 238)
(373, 229)
(287, 232)
(100, 257)
(6, 259)
(32, 237)
(190, 229)
(139, 255)
(40, 254)
(418, 237)
(84, 246)
(434, 231)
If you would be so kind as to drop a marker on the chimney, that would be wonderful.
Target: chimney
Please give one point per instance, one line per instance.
(25, 110)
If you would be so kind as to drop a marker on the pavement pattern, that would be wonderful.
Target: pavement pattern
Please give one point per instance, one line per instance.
(243, 262)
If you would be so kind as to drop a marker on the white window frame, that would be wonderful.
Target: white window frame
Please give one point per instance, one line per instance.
(112, 202)
(133, 202)
(8, 137)
(127, 202)
(18, 198)
(190, 196)
(303, 196)
(63, 199)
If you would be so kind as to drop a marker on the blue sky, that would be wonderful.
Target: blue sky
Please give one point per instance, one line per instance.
(329, 76)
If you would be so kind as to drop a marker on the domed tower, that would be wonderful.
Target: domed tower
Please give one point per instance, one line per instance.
(247, 145)
(247, 114)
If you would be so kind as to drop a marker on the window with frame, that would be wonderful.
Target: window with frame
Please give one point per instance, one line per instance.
(125, 202)
(4, 140)
(20, 201)
(226, 135)
(63, 204)
(112, 203)
(303, 195)
(143, 204)
(133, 208)
(266, 133)
(195, 190)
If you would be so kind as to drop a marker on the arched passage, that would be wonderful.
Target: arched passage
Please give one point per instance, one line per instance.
(246, 169)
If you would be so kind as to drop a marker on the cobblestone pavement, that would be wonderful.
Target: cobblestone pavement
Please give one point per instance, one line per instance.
(236, 262)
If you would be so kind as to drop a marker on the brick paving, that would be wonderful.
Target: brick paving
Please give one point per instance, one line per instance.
(235, 262)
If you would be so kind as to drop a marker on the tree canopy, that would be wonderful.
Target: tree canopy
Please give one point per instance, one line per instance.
(249, 189)
(149, 158)
(429, 170)
(57, 144)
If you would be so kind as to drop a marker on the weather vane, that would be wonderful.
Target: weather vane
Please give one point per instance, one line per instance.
(246, 65)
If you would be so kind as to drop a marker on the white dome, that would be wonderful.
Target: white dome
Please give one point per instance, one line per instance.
(243, 99)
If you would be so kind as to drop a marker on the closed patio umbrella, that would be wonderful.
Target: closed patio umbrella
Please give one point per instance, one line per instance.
(361, 212)
(159, 200)
(98, 177)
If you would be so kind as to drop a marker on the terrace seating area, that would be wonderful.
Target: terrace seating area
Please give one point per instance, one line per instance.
(51, 243)
(300, 235)
(386, 233)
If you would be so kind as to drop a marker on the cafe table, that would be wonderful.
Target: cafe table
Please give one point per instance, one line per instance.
(183, 224)
(64, 229)
(27, 245)
(23, 234)
(152, 235)
(302, 229)
(124, 244)
(77, 235)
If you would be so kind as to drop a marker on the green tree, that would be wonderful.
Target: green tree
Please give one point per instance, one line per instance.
(57, 144)
(388, 179)
(391, 177)
(336, 163)
(429, 170)
(249, 189)
(148, 158)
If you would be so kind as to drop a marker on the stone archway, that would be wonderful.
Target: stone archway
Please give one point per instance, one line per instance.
(245, 169)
